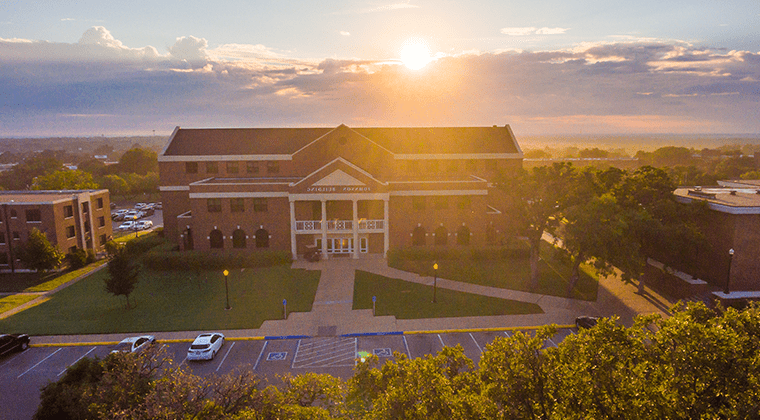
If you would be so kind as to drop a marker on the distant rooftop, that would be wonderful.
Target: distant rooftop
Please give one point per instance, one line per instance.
(734, 197)
(37, 197)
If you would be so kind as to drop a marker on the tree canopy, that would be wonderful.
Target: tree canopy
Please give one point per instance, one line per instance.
(38, 253)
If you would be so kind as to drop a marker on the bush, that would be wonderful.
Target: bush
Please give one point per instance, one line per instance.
(163, 259)
(77, 259)
(516, 250)
(143, 244)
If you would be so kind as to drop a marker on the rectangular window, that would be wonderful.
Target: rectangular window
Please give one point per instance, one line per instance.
(16, 236)
(86, 226)
(99, 201)
(252, 167)
(72, 249)
(85, 207)
(191, 167)
(237, 205)
(101, 221)
(418, 202)
(70, 231)
(260, 204)
(103, 239)
(3, 259)
(212, 167)
(441, 203)
(464, 202)
(214, 205)
(2, 237)
(273, 167)
(33, 215)
(232, 167)
(433, 166)
(68, 211)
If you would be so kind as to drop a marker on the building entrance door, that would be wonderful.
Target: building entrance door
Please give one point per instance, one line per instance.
(338, 245)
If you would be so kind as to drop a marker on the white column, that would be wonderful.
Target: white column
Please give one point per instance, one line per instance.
(293, 247)
(355, 225)
(324, 229)
(386, 234)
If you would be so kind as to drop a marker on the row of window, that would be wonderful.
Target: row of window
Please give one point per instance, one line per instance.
(441, 202)
(239, 239)
(440, 236)
(35, 215)
(237, 205)
(273, 167)
(251, 167)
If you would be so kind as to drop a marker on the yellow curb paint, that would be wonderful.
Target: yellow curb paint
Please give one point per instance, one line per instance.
(464, 330)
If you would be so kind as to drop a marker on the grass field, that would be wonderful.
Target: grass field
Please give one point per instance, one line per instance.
(171, 301)
(406, 300)
(512, 274)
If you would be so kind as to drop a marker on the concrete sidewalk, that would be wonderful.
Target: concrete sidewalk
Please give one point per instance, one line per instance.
(332, 312)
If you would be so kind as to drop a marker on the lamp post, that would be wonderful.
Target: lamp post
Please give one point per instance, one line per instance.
(227, 289)
(435, 280)
(728, 275)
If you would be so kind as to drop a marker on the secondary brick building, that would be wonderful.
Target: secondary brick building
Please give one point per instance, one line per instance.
(347, 191)
(70, 219)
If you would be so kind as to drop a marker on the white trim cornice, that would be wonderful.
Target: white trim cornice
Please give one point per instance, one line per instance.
(223, 158)
(437, 193)
(174, 188)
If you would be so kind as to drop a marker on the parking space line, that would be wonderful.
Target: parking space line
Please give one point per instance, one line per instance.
(316, 354)
(75, 362)
(40, 362)
(356, 351)
(476, 343)
(225, 356)
(295, 355)
(407, 348)
(260, 354)
(551, 342)
(439, 337)
(507, 333)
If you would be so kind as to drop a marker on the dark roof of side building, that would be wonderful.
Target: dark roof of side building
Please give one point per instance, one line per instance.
(263, 141)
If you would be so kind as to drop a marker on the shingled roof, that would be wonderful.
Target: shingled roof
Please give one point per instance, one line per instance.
(408, 140)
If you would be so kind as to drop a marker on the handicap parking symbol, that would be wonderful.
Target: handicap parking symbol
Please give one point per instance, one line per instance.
(275, 356)
(386, 352)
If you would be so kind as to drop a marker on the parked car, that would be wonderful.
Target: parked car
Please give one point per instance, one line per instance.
(147, 211)
(159, 206)
(143, 224)
(140, 205)
(586, 321)
(134, 344)
(117, 217)
(13, 342)
(205, 346)
(128, 225)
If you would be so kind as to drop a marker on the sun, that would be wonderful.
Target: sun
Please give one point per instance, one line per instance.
(415, 54)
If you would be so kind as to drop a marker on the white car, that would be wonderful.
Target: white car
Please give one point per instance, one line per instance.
(128, 225)
(143, 225)
(205, 346)
(133, 344)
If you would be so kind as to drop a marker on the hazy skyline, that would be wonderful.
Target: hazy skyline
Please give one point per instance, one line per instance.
(548, 67)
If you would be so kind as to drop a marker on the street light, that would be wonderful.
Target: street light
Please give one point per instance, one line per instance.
(227, 288)
(435, 280)
(728, 276)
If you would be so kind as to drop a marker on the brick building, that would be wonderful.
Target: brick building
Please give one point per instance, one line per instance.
(733, 224)
(347, 191)
(71, 220)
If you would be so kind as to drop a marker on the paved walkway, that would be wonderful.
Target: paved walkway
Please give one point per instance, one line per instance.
(332, 312)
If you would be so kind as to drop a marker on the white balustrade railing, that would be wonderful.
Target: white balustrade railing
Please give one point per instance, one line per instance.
(304, 226)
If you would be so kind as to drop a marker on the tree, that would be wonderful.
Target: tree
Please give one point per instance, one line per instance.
(139, 161)
(38, 253)
(65, 179)
(534, 199)
(21, 176)
(115, 184)
(122, 275)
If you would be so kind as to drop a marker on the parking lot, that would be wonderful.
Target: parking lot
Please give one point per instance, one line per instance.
(23, 374)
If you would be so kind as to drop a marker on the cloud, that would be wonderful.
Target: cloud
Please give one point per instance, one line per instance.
(630, 86)
(383, 8)
(345, 33)
(67, 20)
(525, 31)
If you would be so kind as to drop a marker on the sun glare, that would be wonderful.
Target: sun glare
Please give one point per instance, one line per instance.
(415, 54)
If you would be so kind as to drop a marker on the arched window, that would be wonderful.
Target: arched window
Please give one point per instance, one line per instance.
(418, 236)
(238, 238)
(216, 239)
(463, 236)
(441, 235)
(262, 238)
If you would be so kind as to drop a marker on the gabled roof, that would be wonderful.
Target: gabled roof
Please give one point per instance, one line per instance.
(287, 141)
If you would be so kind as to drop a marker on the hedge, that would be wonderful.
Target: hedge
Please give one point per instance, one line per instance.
(210, 260)
(441, 254)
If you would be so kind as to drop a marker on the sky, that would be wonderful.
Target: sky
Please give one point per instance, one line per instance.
(554, 67)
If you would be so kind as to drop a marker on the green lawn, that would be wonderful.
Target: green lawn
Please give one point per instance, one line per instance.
(513, 273)
(9, 302)
(171, 301)
(407, 300)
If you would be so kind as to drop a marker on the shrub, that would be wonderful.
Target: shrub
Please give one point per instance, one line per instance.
(163, 259)
(77, 259)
